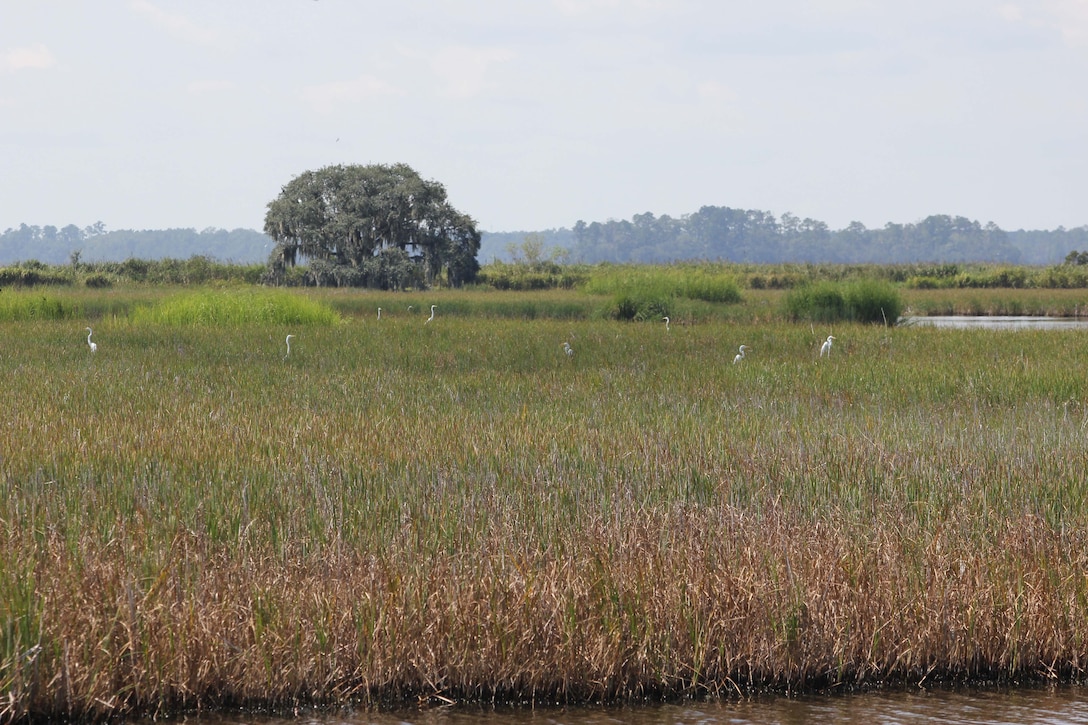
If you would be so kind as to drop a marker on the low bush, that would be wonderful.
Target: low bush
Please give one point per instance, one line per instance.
(859, 301)
(635, 307)
(97, 281)
(818, 302)
(30, 276)
(873, 301)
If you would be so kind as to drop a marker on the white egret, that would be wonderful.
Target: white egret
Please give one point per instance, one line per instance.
(92, 345)
(740, 355)
(432, 314)
(379, 313)
(568, 349)
(825, 349)
(288, 347)
(666, 319)
(409, 308)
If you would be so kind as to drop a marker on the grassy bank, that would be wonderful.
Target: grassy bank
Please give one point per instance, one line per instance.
(401, 511)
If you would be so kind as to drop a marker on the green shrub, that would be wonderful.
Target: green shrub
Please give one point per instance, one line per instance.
(98, 281)
(636, 307)
(816, 302)
(864, 300)
(31, 274)
(873, 301)
(710, 288)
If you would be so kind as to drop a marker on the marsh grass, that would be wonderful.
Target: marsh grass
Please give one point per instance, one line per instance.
(253, 306)
(23, 306)
(403, 511)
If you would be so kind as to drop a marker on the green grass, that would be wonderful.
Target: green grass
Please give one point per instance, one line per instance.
(240, 306)
(400, 510)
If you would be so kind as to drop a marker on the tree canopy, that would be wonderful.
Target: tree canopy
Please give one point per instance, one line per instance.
(376, 225)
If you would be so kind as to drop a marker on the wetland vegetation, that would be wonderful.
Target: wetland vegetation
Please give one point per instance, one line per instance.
(458, 511)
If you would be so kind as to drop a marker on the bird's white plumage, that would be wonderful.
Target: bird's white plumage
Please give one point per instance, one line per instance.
(740, 355)
(825, 349)
(92, 345)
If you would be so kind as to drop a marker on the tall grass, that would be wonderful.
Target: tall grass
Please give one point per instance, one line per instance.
(21, 306)
(236, 307)
(864, 300)
(403, 511)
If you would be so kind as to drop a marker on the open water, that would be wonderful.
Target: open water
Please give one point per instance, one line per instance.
(997, 322)
(1068, 704)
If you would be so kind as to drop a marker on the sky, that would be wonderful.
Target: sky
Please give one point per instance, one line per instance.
(535, 114)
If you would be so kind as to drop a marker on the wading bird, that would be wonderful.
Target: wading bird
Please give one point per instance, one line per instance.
(568, 349)
(740, 355)
(432, 314)
(379, 313)
(92, 345)
(288, 347)
(666, 319)
(825, 349)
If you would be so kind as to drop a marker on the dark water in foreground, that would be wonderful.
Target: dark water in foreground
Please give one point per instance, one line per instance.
(1054, 705)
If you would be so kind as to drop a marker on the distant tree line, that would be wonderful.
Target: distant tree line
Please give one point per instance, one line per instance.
(712, 234)
(53, 245)
(739, 235)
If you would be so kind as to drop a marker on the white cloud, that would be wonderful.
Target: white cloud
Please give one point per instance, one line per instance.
(1067, 17)
(1071, 17)
(176, 25)
(325, 97)
(33, 57)
(465, 69)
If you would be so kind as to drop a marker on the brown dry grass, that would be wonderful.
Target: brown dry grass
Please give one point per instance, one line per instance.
(687, 602)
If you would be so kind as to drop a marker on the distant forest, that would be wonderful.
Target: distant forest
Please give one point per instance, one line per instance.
(712, 233)
(51, 245)
(738, 235)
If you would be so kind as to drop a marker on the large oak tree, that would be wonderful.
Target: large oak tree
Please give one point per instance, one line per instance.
(376, 225)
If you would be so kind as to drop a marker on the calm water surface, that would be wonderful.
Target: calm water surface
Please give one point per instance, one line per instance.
(998, 322)
(1055, 705)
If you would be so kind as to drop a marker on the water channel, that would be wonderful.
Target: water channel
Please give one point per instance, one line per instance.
(996, 322)
(1068, 704)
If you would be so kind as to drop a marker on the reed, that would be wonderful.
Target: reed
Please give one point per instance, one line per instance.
(403, 511)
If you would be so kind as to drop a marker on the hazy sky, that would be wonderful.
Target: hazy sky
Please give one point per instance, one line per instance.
(537, 113)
